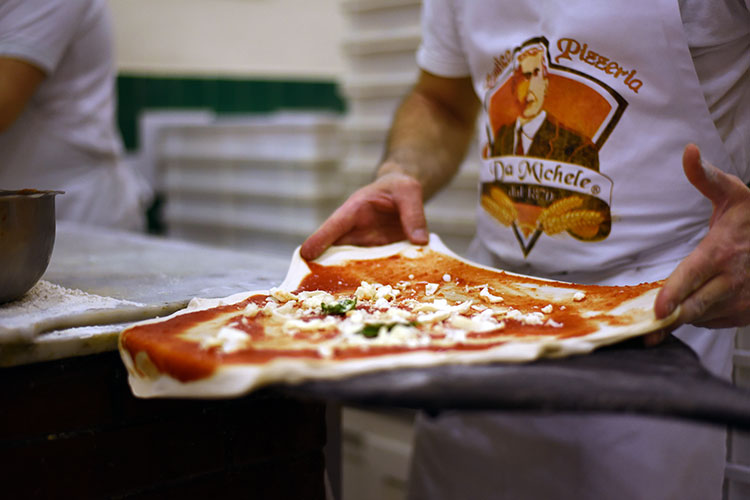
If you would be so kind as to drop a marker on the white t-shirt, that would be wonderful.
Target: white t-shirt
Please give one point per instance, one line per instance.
(499, 455)
(650, 215)
(66, 137)
(718, 34)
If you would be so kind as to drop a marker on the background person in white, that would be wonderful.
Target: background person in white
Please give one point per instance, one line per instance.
(57, 111)
(491, 456)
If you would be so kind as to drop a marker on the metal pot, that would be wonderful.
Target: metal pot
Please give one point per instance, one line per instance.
(27, 236)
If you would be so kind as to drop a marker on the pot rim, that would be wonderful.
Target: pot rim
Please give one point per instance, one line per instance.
(28, 193)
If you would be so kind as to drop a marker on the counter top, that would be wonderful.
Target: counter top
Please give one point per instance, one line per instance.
(159, 274)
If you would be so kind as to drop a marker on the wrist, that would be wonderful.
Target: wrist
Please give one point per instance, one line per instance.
(389, 167)
(392, 167)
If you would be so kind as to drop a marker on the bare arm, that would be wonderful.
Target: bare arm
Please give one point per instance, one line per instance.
(429, 137)
(431, 131)
(18, 82)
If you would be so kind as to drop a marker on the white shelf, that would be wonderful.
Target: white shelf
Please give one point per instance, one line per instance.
(288, 216)
(278, 136)
(378, 85)
(257, 241)
(306, 180)
(355, 6)
(383, 41)
(374, 17)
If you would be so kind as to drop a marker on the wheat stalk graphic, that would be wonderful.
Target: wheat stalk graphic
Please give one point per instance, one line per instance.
(563, 215)
(500, 206)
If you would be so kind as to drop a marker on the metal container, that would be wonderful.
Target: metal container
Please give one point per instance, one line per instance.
(27, 236)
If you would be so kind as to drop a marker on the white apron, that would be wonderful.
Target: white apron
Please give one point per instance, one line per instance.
(607, 98)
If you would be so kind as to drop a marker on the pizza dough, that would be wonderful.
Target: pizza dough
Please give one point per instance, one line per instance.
(441, 309)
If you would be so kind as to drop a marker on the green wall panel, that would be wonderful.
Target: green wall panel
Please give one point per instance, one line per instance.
(224, 96)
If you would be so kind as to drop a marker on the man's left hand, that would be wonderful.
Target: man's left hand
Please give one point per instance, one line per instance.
(712, 284)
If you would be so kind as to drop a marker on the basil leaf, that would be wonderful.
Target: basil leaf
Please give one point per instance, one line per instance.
(340, 307)
(372, 330)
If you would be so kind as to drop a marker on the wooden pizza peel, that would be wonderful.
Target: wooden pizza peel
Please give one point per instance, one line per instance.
(663, 381)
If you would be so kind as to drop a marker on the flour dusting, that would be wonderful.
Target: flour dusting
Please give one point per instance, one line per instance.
(47, 303)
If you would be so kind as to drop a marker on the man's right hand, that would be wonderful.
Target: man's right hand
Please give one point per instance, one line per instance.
(429, 136)
(387, 210)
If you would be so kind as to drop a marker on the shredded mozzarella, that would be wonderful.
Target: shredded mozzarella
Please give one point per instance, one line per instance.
(282, 295)
(325, 351)
(443, 311)
(386, 292)
(228, 339)
(298, 325)
(251, 310)
(382, 303)
(315, 299)
(485, 294)
(365, 291)
(532, 318)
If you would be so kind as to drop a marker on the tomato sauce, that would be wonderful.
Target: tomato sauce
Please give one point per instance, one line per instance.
(185, 360)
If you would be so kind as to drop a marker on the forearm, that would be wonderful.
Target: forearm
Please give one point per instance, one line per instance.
(18, 82)
(431, 132)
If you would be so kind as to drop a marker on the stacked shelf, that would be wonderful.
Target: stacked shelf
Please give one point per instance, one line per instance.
(380, 55)
(262, 183)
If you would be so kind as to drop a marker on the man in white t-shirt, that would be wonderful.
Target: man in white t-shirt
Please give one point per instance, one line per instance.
(658, 85)
(57, 111)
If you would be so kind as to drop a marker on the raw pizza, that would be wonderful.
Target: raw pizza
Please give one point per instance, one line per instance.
(356, 310)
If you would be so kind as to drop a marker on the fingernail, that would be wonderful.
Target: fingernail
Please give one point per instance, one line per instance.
(670, 308)
(419, 234)
(705, 166)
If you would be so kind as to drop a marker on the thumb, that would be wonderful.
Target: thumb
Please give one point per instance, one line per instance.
(706, 178)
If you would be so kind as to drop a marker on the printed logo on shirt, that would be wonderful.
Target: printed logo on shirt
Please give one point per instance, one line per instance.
(545, 125)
